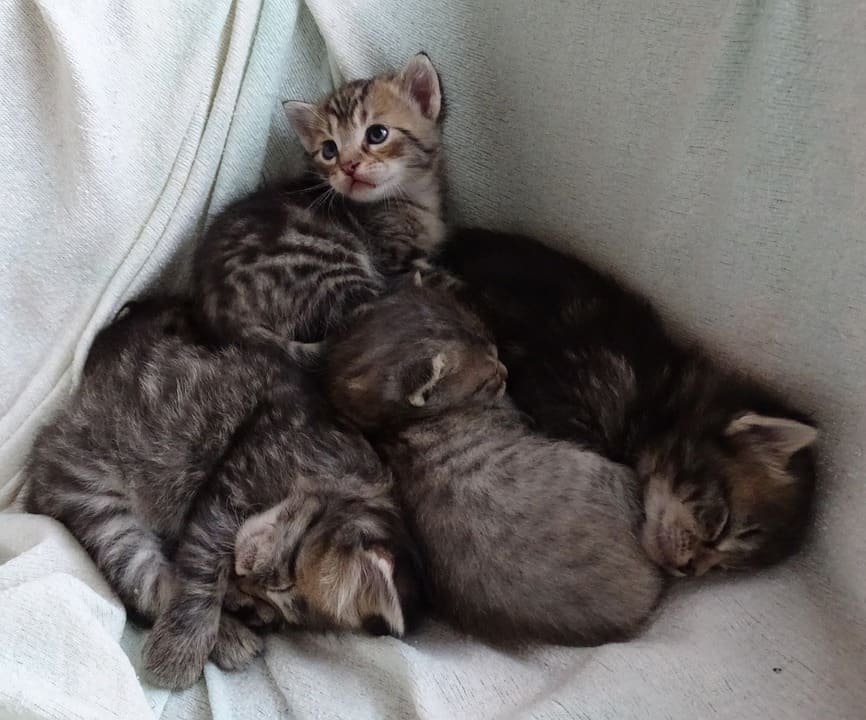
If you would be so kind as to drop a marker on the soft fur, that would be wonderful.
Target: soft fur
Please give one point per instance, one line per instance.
(727, 469)
(524, 538)
(291, 263)
(169, 451)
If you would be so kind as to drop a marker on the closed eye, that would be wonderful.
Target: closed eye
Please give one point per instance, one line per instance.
(281, 588)
(691, 497)
(722, 530)
(751, 533)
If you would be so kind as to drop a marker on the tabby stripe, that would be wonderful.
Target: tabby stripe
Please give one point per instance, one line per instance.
(449, 454)
(307, 251)
(416, 142)
(349, 273)
(334, 243)
(365, 90)
(296, 550)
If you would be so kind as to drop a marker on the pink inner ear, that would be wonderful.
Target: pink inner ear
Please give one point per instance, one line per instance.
(420, 80)
(422, 92)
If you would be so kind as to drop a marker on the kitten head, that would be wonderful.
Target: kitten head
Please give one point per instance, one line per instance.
(739, 497)
(138, 327)
(378, 138)
(414, 354)
(331, 561)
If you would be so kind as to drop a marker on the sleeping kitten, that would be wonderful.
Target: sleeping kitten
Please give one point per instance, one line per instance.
(727, 472)
(169, 450)
(291, 263)
(524, 538)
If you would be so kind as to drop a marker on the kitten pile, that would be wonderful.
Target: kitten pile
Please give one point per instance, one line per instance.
(320, 437)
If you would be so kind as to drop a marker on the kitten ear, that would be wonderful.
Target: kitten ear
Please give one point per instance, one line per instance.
(420, 82)
(429, 373)
(781, 437)
(306, 121)
(255, 541)
(378, 601)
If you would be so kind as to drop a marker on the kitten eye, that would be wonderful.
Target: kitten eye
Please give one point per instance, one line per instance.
(281, 588)
(722, 526)
(691, 497)
(329, 149)
(376, 134)
(752, 533)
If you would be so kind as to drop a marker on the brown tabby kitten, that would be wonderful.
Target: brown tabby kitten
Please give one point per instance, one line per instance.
(727, 470)
(168, 451)
(290, 263)
(524, 538)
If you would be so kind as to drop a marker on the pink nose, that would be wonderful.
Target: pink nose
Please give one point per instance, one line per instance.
(350, 167)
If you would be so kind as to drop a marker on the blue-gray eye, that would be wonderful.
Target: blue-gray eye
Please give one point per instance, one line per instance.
(376, 134)
(329, 149)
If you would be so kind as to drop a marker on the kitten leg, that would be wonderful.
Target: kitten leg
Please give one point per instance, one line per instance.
(129, 555)
(184, 636)
(236, 644)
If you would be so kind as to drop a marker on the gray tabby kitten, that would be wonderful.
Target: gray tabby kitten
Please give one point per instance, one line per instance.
(523, 537)
(169, 451)
(290, 263)
(727, 468)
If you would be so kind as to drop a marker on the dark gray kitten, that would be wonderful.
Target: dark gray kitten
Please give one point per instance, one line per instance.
(726, 468)
(169, 451)
(291, 263)
(523, 537)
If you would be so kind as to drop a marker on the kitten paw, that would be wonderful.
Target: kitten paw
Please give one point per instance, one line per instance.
(236, 644)
(175, 652)
(252, 611)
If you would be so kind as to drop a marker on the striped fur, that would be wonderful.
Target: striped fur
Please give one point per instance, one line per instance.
(523, 538)
(290, 263)
(165, 452)
(728, 468)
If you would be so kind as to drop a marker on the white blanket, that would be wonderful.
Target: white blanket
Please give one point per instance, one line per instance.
(711, 152)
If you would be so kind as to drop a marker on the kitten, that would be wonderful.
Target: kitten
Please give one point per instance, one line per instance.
(169, 451)
(524, 538)
(291, 263)
(727, 470)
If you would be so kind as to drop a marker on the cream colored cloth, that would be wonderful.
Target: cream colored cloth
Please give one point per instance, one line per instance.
(711, 152)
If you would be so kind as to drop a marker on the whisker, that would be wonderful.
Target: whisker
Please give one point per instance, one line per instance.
(307, 189)
(327, 197)
(333, 195)
(398, 188)
(317, 202)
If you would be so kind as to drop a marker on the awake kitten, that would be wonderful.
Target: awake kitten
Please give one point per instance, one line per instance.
(727, 472)
(524, 538)
(291, 263)
(168, 451)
